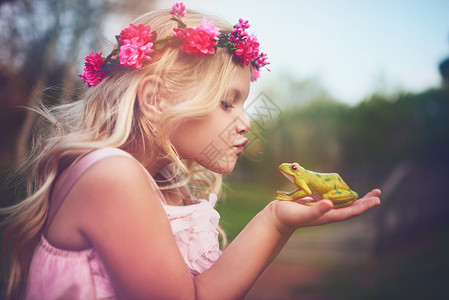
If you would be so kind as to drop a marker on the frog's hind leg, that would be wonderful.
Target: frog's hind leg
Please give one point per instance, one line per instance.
(340, 197)
(343, 204)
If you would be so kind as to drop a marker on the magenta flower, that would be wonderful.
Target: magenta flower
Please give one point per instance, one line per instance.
(179, 33)
(133, 55)
(178, 10)
(136, 46)
(199, 41)
(242, 24)
(247, 50)
(141, 32)
(238, 33)
(257, 64)
(255, 74)
(261, 61)
(92, 75)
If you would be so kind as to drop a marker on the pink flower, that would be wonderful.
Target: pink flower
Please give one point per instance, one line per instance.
(255, 74)
(257, 64)
(133, 55)
(242, 24)
(141, 32)
(238, 33)
(92, 75)
(210, 28)
(247, 50)
(200, 40)
(136, 46)
(261, 61)
(178, 10)
(179, 33)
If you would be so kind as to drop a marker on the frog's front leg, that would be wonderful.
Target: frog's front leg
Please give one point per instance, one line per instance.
(298, 194)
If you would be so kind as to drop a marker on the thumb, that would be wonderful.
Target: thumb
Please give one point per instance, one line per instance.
(319, 209)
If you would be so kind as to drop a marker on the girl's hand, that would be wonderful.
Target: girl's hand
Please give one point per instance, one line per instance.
(290, 215)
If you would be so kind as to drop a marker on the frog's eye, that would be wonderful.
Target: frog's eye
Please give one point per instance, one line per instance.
(294, 168)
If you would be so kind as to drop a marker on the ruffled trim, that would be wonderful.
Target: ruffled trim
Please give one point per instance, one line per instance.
(195, 231)
(102, 282)
(86, 265)
(47, 247)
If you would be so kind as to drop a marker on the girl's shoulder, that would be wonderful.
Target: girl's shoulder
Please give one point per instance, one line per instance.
(100, 165)
(106, 163)
(102, 184)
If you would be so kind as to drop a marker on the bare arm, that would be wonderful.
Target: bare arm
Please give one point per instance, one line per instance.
(264, 237)
(123, 219)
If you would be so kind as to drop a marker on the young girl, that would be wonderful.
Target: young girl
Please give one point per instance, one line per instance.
(95, 225)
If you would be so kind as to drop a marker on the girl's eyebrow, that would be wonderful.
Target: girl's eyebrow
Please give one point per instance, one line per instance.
(236, 93)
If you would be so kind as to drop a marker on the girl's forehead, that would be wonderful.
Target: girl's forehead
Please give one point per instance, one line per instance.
(240, 82)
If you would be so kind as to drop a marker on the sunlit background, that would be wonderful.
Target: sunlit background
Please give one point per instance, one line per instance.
(352, 48)
(356, 87)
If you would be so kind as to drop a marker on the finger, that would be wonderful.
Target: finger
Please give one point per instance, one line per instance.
(369, 201)
(360, 206)
(355, 209)
(373, 193)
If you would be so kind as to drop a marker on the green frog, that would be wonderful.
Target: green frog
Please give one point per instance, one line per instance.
(323, 185)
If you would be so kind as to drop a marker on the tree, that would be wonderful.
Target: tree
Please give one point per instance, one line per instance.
(41, 39)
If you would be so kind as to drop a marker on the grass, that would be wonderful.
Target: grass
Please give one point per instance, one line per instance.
(241, 203)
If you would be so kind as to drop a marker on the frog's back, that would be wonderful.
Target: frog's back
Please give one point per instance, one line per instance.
(321, 183)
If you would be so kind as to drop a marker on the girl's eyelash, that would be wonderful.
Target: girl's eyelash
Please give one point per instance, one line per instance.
(226, 105)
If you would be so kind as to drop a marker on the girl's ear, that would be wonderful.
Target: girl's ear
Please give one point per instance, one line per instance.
(150, 97)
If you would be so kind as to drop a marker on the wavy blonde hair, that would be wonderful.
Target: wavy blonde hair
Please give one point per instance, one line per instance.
(109, 116)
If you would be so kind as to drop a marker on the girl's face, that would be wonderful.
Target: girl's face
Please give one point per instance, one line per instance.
(216, 140)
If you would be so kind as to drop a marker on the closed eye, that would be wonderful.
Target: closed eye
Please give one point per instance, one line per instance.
(226, 105)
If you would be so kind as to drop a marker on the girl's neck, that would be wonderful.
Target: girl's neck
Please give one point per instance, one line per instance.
(153, 169)
(154, 164)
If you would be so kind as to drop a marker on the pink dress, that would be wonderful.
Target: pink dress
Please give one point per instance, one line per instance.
(62, 274)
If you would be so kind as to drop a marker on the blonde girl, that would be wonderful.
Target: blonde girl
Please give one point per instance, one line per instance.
(96, 226)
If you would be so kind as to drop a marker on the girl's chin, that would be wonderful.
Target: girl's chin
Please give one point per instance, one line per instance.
(223, 168)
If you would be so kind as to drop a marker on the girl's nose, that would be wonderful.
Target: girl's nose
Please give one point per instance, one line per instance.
(243, 124)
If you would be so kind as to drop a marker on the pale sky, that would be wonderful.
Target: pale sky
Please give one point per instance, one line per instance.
(349, 45)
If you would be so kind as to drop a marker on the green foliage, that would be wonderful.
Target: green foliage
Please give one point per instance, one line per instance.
(410, 126)
(240, 205)
(330, 136)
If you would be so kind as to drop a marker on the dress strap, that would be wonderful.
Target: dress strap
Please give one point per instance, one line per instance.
(82, 166)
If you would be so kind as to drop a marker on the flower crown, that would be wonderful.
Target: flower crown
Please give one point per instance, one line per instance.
(136, 43)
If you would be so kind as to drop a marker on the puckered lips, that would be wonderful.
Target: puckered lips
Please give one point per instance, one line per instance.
(240, 147)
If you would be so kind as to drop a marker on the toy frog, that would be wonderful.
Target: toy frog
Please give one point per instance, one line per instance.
(324, 185)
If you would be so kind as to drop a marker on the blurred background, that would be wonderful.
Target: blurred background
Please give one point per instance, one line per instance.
(356, 87)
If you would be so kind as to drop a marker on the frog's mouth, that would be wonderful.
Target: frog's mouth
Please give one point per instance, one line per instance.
(288, 176)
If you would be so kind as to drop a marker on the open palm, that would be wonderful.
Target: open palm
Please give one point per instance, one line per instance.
(291, 215)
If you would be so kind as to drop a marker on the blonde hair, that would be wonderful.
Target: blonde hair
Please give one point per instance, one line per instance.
(109, 116)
